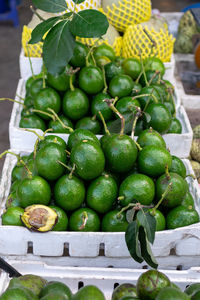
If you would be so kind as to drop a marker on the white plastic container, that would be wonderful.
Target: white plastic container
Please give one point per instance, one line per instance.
(171, 247)
(105, 279)
(25, 69)
(187, 100)
(179, 144)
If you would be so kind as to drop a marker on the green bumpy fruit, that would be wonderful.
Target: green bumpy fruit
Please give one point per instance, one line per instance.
(79, 135)
(84, 219)
(171, 293)
(178, 166)
(54, 287)
(12, 216)
(124, 289)
(32, 282)
(181, 216)
(18, 293)
(89, 292)
(137, 188)
(88, 158)
(114, 222)
(150, 283)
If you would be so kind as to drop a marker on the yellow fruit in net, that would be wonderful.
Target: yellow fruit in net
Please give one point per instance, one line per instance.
(123, 13)
(112, 38)
(148, 39)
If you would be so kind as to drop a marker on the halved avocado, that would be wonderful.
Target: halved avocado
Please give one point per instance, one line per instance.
(39, 217)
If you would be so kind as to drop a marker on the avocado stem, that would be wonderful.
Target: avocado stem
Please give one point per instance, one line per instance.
(49, 129)
(71, 83)
(19, 160)
(68, 153)
(104, 80)
(162, 198)
(30, 62)
(43, 77)
(113, 108)
(59, 120)
(104, 123)
(154, 76)
(125, 208)
(33, 131)
(35, 148)
(64, 165)
(135, 122)
(20, 97)
(167, 172)
(146, 95)
(120, 198)
(12, 100)
(138, 145)
(94, 118)
(90, 53)
(143, 71)
(36, 13)
(84, 219)
(43, 112)
(137, 80)
(72, 171)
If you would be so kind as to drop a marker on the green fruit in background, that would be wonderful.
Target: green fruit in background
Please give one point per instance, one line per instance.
(175, 126)
(104, 50)
(35, 87)
(14, 185)
(88, 159)
(98, 104)
(152, 160)
(102, 193)
(91, 80)
(132, 67)
(176, 192)
(47, 98)
(89, 292)
(181, 216)
(150, 137)
(114, 222)
(188, 200)
(54, 287)
(160, 219)
(136, 89)
(75, 104)
(120, 153)
(35, 190)
(192, 288)
(58, 127)
(12, 216)
(55, 296)
(32, 121)
(160, 117)
(18, 293)
(79, 55)
(137, 188)
(178, 166)
(79, 135)
(196, 296)
(89, 123)
(84, 219)
(112, 69)
(155, 64)
(62, 221)
(32, 282)
(120, 86)
(145, 101)
(150, 283)
(124, 289)
(52, 139)
(69, 192)
(171, 293)
(127, 104)
(47, 161)
(12, 200)
(60, 82)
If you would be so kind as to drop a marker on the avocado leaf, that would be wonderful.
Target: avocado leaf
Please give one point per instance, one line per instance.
(146, 220)
(58, 47)
(53, 6)
(131, 237)
(89, 23)
(146, 248)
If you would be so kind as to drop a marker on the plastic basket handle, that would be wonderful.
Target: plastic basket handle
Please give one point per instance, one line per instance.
(9, 269)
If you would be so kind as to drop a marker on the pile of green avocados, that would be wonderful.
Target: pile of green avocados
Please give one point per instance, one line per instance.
(151, 285)
(74, 98)
(90, 184)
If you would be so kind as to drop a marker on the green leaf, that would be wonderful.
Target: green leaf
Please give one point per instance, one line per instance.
(130, 215)
(147, 116)
(146, 248)
(78, 1)
(89, 23)
(58, 47)
(53, 6)
(146, 220)
(131, 237)
(39, 31)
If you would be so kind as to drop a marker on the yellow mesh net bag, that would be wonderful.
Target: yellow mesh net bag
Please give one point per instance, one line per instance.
(123, 13)
(138, 41)
(87, 4)
(34, 50)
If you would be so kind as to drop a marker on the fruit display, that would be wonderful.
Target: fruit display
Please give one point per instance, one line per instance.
(152, 285)
(75, 98)
(195, 153)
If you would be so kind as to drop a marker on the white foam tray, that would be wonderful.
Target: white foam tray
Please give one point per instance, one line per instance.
(97, 248)
(105, 279)
(25, 69)
(188, 101)
(179, 144)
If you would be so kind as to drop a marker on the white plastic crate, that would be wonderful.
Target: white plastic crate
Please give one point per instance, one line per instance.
(188, 101)
(106, 279)
(171, 247)
(25, 69)
(179, 144)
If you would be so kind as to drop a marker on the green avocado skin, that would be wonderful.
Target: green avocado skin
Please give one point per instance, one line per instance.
(89, 292)
(181, 216)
